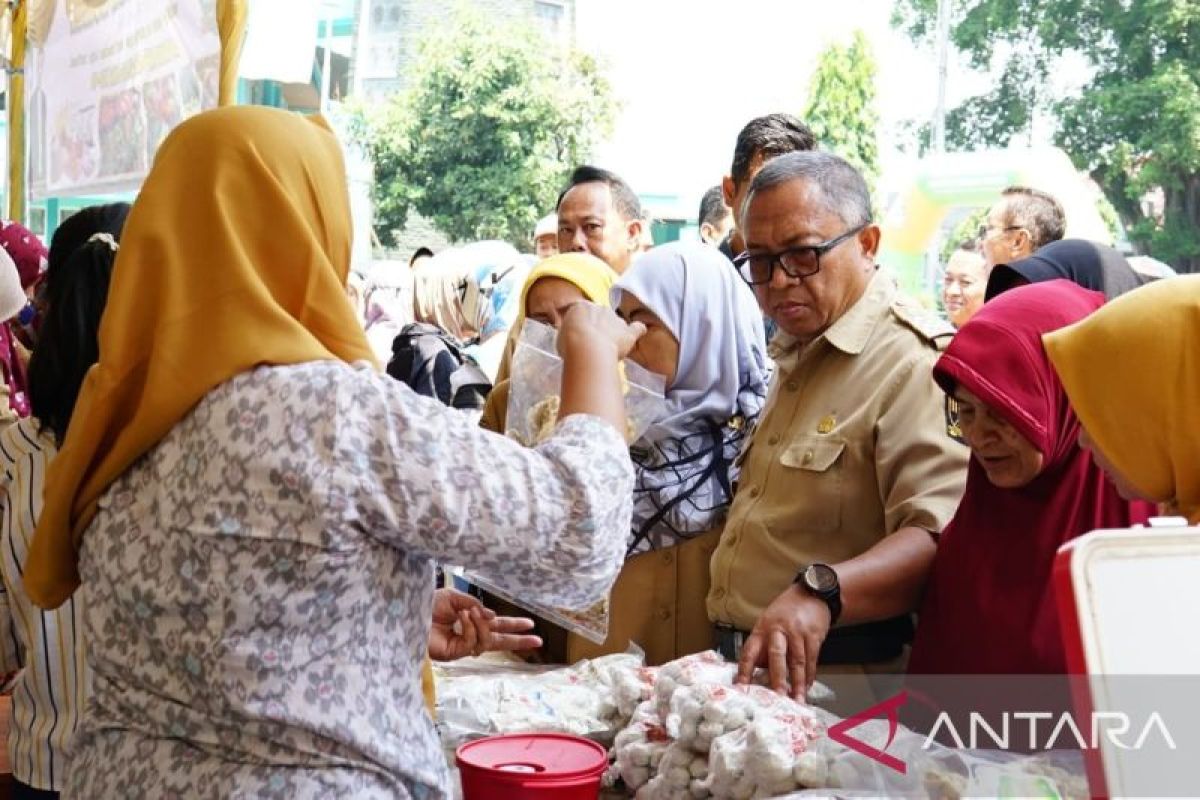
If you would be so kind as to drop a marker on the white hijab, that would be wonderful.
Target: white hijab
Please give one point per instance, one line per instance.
(685, 460)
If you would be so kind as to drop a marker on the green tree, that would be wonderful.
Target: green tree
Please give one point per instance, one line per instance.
(965, 233)
(494, 120)
(841, 104)
(1134, 127)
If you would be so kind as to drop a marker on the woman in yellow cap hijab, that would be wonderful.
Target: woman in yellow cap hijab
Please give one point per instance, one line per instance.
(552, 286)
(255, 511)
(1132, 371)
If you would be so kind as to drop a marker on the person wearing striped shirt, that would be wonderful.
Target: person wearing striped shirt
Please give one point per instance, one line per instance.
(50, 691)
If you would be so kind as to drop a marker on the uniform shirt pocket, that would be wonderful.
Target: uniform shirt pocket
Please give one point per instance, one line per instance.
(813, 485)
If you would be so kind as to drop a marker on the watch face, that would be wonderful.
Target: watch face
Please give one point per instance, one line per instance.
(821, 578)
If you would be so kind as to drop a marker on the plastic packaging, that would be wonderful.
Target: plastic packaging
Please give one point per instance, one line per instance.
(480, 699)
(699, 737)
(708, 667)
(536, 383)
(638, 749)
(533, 404)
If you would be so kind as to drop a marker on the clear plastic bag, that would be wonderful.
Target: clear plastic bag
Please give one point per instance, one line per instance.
(936, 772)
(950, 774)
(533, 404)
(480, 697)
(536, 384)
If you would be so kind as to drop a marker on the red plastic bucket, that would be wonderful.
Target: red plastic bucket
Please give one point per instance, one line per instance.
(531, 766)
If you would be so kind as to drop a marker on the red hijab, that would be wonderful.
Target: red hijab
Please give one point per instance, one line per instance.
(989, 606)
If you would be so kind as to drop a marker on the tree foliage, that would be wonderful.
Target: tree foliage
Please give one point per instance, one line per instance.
(1135, 126)
(493, 121)
(841, 104)
(965, 233)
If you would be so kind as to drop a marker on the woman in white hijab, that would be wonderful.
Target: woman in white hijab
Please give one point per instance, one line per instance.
(705, 336)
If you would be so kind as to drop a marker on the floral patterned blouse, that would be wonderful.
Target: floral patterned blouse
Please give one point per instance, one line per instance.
(259, 586)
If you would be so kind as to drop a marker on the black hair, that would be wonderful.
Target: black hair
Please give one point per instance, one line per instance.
(75, 292)
(76, 229)
(626, 202)
(769, 136)
(420, 252)
(712, 207)
(1039, 213)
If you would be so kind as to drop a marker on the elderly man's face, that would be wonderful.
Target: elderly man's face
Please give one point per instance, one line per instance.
(1001, 241)
(792, 214)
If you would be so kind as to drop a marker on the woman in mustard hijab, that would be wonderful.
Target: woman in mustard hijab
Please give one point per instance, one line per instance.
(254, 511)
(1132, 371)
(551, 287)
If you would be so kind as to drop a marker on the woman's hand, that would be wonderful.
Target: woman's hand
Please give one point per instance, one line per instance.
(591, 340)
(463, 627)
(589, 327)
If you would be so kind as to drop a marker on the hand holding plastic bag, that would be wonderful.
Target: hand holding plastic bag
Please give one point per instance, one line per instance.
(536, 385)
(533, 406)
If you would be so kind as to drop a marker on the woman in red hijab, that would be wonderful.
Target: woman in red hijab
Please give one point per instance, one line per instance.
(989, 604)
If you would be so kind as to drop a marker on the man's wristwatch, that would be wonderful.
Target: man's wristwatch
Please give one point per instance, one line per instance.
(822, 582)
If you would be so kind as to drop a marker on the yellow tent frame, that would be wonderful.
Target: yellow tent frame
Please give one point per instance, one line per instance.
(16, 113)
(231, 24)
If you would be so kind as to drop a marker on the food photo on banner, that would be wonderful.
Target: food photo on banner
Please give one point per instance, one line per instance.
(107, 82)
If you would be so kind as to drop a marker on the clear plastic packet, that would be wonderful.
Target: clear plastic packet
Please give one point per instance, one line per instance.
(950, 774)
(536, 382)
(484, 697)
(533, 404)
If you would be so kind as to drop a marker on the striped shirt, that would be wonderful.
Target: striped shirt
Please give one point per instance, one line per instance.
(49, 694)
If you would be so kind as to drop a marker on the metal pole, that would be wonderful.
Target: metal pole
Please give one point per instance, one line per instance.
(943, 57)
(362, 37)
(325, 66)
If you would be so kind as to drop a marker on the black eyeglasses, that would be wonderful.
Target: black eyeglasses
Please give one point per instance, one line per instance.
(796, 262)
(983, 230)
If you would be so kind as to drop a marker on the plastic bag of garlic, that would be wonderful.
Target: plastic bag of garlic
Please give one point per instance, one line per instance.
(702, 737)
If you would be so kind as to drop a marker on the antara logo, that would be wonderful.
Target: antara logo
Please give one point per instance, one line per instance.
(1063, 731)
(1114, 726)
(891, 707)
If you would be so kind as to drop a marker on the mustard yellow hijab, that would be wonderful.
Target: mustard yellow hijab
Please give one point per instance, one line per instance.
(593, 277)
(1132, 371)
(235, 255)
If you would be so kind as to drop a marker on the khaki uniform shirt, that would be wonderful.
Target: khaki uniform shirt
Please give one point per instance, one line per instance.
(852, 446)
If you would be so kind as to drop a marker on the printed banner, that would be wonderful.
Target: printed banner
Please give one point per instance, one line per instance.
(106, 85)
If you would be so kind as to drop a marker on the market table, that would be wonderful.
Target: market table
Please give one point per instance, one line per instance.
(685, 723)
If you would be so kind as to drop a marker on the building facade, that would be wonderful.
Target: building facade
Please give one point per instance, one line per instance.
(390, 32)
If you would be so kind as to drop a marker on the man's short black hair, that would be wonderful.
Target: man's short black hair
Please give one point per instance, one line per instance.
(712, 207)
(1037, 212)
(770, 136)
(421, 252)
(626, 202)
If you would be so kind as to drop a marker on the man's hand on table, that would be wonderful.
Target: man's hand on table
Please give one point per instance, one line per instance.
(787, 640)
(463, 627)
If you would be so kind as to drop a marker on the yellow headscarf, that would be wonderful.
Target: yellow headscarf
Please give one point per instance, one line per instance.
(593, 277)
(235, 255)
(1132, 371)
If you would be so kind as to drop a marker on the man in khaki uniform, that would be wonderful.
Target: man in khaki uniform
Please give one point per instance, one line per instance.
(852, 469)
